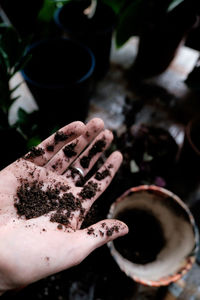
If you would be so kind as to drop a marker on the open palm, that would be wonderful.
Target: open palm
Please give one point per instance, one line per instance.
(44, 199)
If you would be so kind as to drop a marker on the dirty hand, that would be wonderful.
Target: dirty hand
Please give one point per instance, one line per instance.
(43, 202)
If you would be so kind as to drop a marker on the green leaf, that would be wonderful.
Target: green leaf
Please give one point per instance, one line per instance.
(116, 5)
(9, 42)
(174, 4)
(34, 141)
(47, 11)
(21, 63)
(22, 116)
(15, 88)
(129, 23)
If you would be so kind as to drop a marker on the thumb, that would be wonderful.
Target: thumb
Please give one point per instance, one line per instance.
(101, 233)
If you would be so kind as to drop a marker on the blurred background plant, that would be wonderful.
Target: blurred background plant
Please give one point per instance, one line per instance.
(23, 133)
(12, 59)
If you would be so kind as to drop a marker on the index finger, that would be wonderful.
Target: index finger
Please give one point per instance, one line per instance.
(41, 154)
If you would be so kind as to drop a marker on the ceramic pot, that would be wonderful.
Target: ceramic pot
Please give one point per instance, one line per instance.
(161, 245)
(95, 32)
(59, 75)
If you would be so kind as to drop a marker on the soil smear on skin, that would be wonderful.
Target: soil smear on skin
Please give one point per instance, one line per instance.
(145, 238)
(97, 148)
(34, 152)
(33, 201)
(108, 231)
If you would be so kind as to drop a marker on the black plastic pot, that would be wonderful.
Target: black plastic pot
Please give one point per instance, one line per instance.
(160, 40)
(59, 75)
(95, 32)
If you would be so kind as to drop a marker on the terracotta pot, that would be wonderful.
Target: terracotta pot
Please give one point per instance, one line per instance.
(162, 242)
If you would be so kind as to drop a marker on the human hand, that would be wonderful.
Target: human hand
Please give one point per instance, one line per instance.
(42, 204)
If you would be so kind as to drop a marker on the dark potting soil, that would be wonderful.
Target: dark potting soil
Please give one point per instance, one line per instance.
(50, 148)
(34, 152)
(33, 201)
(89, 190)
(145, 238)
(69, 150)
(60, 137)
(97, 148)
(101, 175)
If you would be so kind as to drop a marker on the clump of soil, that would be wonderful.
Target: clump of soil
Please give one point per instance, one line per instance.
(60, 136)
(90, 231)
(97, 148)
(69, 150)
(89, 190)
(101, 175)
(145, 238)
(35, 152)
(110, 231)
(33, 201)
(50, 148)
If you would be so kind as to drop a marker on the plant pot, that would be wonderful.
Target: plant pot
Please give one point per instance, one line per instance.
(162, 242)
(95, 32)
(59, 75)
(159, 41)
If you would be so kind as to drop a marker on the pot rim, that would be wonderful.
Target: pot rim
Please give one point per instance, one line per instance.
(55, 86)
(191, 257)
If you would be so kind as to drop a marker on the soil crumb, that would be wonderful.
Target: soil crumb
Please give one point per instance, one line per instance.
(34, 152)
(50, 148)
(60, 136)
(109, 231)
(89, 190)
(101, 175)
(90, 231)
(97, 148)
(33, 200)
(69, 150)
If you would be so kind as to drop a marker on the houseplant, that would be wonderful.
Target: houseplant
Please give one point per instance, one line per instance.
(12, 59)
